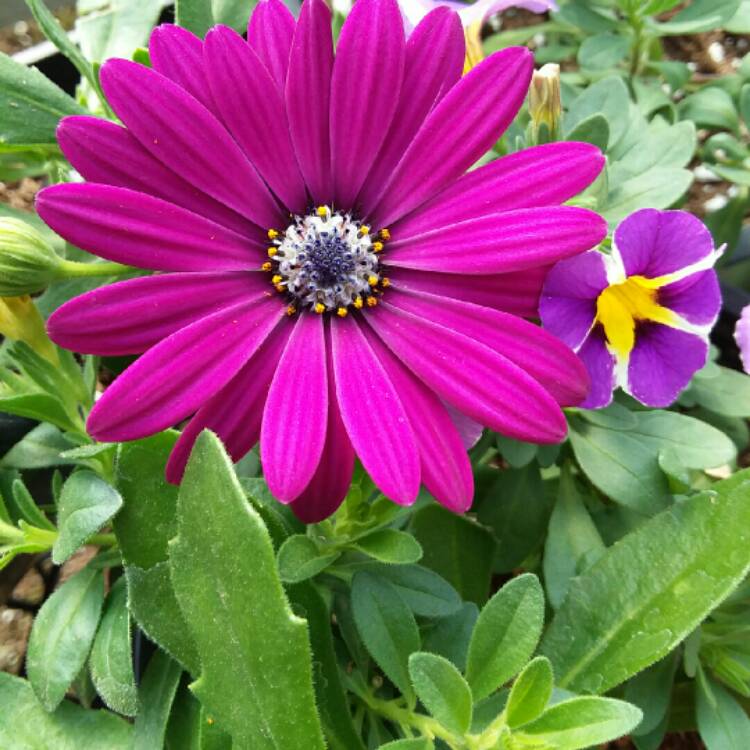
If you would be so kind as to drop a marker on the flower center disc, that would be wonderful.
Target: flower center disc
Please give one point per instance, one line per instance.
(326, 261)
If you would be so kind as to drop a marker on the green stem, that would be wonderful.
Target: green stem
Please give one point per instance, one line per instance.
(102, 540)
(637, 51)
(71, 269)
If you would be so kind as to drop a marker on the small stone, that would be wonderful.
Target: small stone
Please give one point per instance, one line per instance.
(30, 589)
(15, 626)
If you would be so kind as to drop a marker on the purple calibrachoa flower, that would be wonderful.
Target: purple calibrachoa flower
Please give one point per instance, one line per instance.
(742, 337)
(640, 316)
(330, 284)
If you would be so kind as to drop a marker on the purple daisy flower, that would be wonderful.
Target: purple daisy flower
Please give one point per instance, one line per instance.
(329, 283)
(639, 317)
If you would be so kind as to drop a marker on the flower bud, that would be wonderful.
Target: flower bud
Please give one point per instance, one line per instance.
(20, 321)
(545, 105)
(27, 261)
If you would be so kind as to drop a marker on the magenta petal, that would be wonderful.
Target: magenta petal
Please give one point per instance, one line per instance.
(446, 470)
(434, 62)
(516, 293)
(269, 33)
(469, 430)
(296, 412)
(662, 363)
(568, 303)
(155, 110)
(600, 364)
(462, 127)
(537, 352)
(697, 297)
(104, 152)
(332, 479)
(134, 315)
(499, 243)
(235, 413)
(310, 67)
(177, 54)
(656, 243)
(178, 375)
(541, 176)
(373, 414)
(252, 108)
(478, 381)
(365, 85)
(139, 230)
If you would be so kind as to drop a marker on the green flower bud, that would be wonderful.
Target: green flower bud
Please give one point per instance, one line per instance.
(27, 261)
(545, 106)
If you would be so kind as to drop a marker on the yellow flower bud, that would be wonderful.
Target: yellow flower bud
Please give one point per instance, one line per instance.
(21, 321)
(545, 106)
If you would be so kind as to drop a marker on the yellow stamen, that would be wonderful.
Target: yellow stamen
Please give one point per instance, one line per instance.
(272, 234)
(373, 280)
(377, 246)
(276, 278)
(364, 229)
(386, 282)
(372, 301)
(322, 211)
(291, 310)
(279, 287)
(319, 308)
(272, 252)
(342, 312)
(266, 266)
(620, 306)
(358, 303)
(385, 234)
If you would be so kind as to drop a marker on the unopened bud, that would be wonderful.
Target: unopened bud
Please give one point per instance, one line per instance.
(27, 261)
(20, 321)
(545, 105)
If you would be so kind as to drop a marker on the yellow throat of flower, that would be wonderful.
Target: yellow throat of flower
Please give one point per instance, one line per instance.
(474, 50)
(620, 306)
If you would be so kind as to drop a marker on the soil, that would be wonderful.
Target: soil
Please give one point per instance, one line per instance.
(26, 33)
(21, 194)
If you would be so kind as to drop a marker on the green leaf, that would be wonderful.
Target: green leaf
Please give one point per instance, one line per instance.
(155, 696)
(243, 633)
(426, 593)
(390, 546)
(608, 97)
(710, 107)
(591, 20)
(386, 626)
(623, 462)
(651, 691)
(449, 636)
(530, 693)
(505, 635)
(39, 449)
(727, 392)
(594, 129)
(111, 661)
(573, 540)
(86, 504)
(659, 187)
(62, 635)
(25, 725)
(516, 508)
(603, 51)
(154, 607)
(332, 701)
(442, 690)
(457, 548)
(699, 16)
(31, 107)
(200, 15)
(650, 589)
(184, 726)
(421, 743)
(27, 509)
(582, 722)
(299, 559)
(722, 722)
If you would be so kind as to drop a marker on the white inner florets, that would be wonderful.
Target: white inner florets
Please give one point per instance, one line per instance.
(326, 260)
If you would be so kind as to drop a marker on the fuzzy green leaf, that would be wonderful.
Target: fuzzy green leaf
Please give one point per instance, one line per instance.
(390, 546)
(155, 696)
(256, 671)
(299, 559)
(530, 693)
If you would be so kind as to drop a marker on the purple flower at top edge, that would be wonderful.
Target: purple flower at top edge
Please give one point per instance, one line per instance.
(639, 318)
(470, 13)
(742, 337)
(328, 278)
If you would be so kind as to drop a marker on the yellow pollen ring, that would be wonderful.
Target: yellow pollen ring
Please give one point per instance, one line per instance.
(322, 211)
(276, 279)
(620, 306)
(319, 308)
(342, 312)
(272, 252)
(358, 303)
(377, 246)
(373, 280)
(272, 234)
(364, 229)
